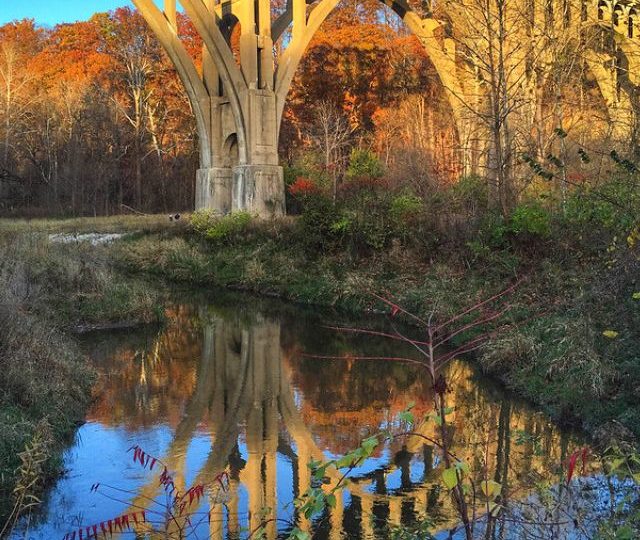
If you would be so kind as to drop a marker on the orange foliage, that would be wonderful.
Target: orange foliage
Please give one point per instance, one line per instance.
(73, 54)
(303, 187)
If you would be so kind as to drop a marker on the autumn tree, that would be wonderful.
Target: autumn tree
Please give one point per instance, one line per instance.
(331, 135)
(19, 42)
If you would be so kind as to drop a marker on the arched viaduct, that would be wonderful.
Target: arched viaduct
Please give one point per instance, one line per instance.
(238, 105)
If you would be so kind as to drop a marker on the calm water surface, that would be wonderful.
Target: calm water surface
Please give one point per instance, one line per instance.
(227, 386)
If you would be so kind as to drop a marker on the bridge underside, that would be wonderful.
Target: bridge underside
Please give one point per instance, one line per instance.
(238, 103)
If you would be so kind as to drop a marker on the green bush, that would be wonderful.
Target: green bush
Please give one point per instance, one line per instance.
(316, 225)
(530, 220)
(469, 194)
(203, 220)
(370, 228)
(614, 205)
(366, 217)
(360, 222)
(367, 208)
(217, 228)
(492, 231)
(405, 206)
(364, 164)
(229, 227)
(407, 213)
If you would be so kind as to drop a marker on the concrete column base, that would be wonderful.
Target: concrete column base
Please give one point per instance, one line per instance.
(213, 189)
(259, 190)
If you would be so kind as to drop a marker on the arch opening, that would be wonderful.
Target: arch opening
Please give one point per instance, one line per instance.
(602, 5)
(434, 126)
(231, 151)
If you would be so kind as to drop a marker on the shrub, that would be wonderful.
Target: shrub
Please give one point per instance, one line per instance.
(303, 187)
(492, 231)
(220, 228)
(316, 222)
(298, 193)
(370, 227)
(298, 181)
(530, 220)
(228, 227)
(292, 173)
(407, 213)
(360, 222)
(469, 195)
(359, 185)
(614, 205)
(367, 207)
(203, 220)
(404, 206)
(364, 163)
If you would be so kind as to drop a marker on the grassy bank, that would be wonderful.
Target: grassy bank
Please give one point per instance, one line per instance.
(571, 347)
(47, 291)
(82, 225)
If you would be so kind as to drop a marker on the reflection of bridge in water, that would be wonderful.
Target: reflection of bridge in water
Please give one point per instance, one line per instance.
(251, 391)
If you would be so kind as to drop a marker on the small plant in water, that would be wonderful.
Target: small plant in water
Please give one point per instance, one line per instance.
(469, 495)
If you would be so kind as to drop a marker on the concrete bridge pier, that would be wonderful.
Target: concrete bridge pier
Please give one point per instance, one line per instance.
(213, 189)
(258, 189)
(245, 146)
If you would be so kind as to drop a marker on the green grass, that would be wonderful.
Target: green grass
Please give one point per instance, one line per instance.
(113, 224)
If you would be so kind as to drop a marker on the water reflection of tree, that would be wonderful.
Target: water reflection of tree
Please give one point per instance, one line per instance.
(238, 378)
(146, 375)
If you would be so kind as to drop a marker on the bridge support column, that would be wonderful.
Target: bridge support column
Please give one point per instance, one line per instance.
(258, 182)
(214, 189)
(258, 189)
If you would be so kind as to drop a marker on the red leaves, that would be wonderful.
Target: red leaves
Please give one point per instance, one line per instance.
(178, 504)
(166, 481)
(145, 460)
(573, 459)
(223, 481)
(196, 493)
(107, 528)
(303, 187)
(572, 465)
